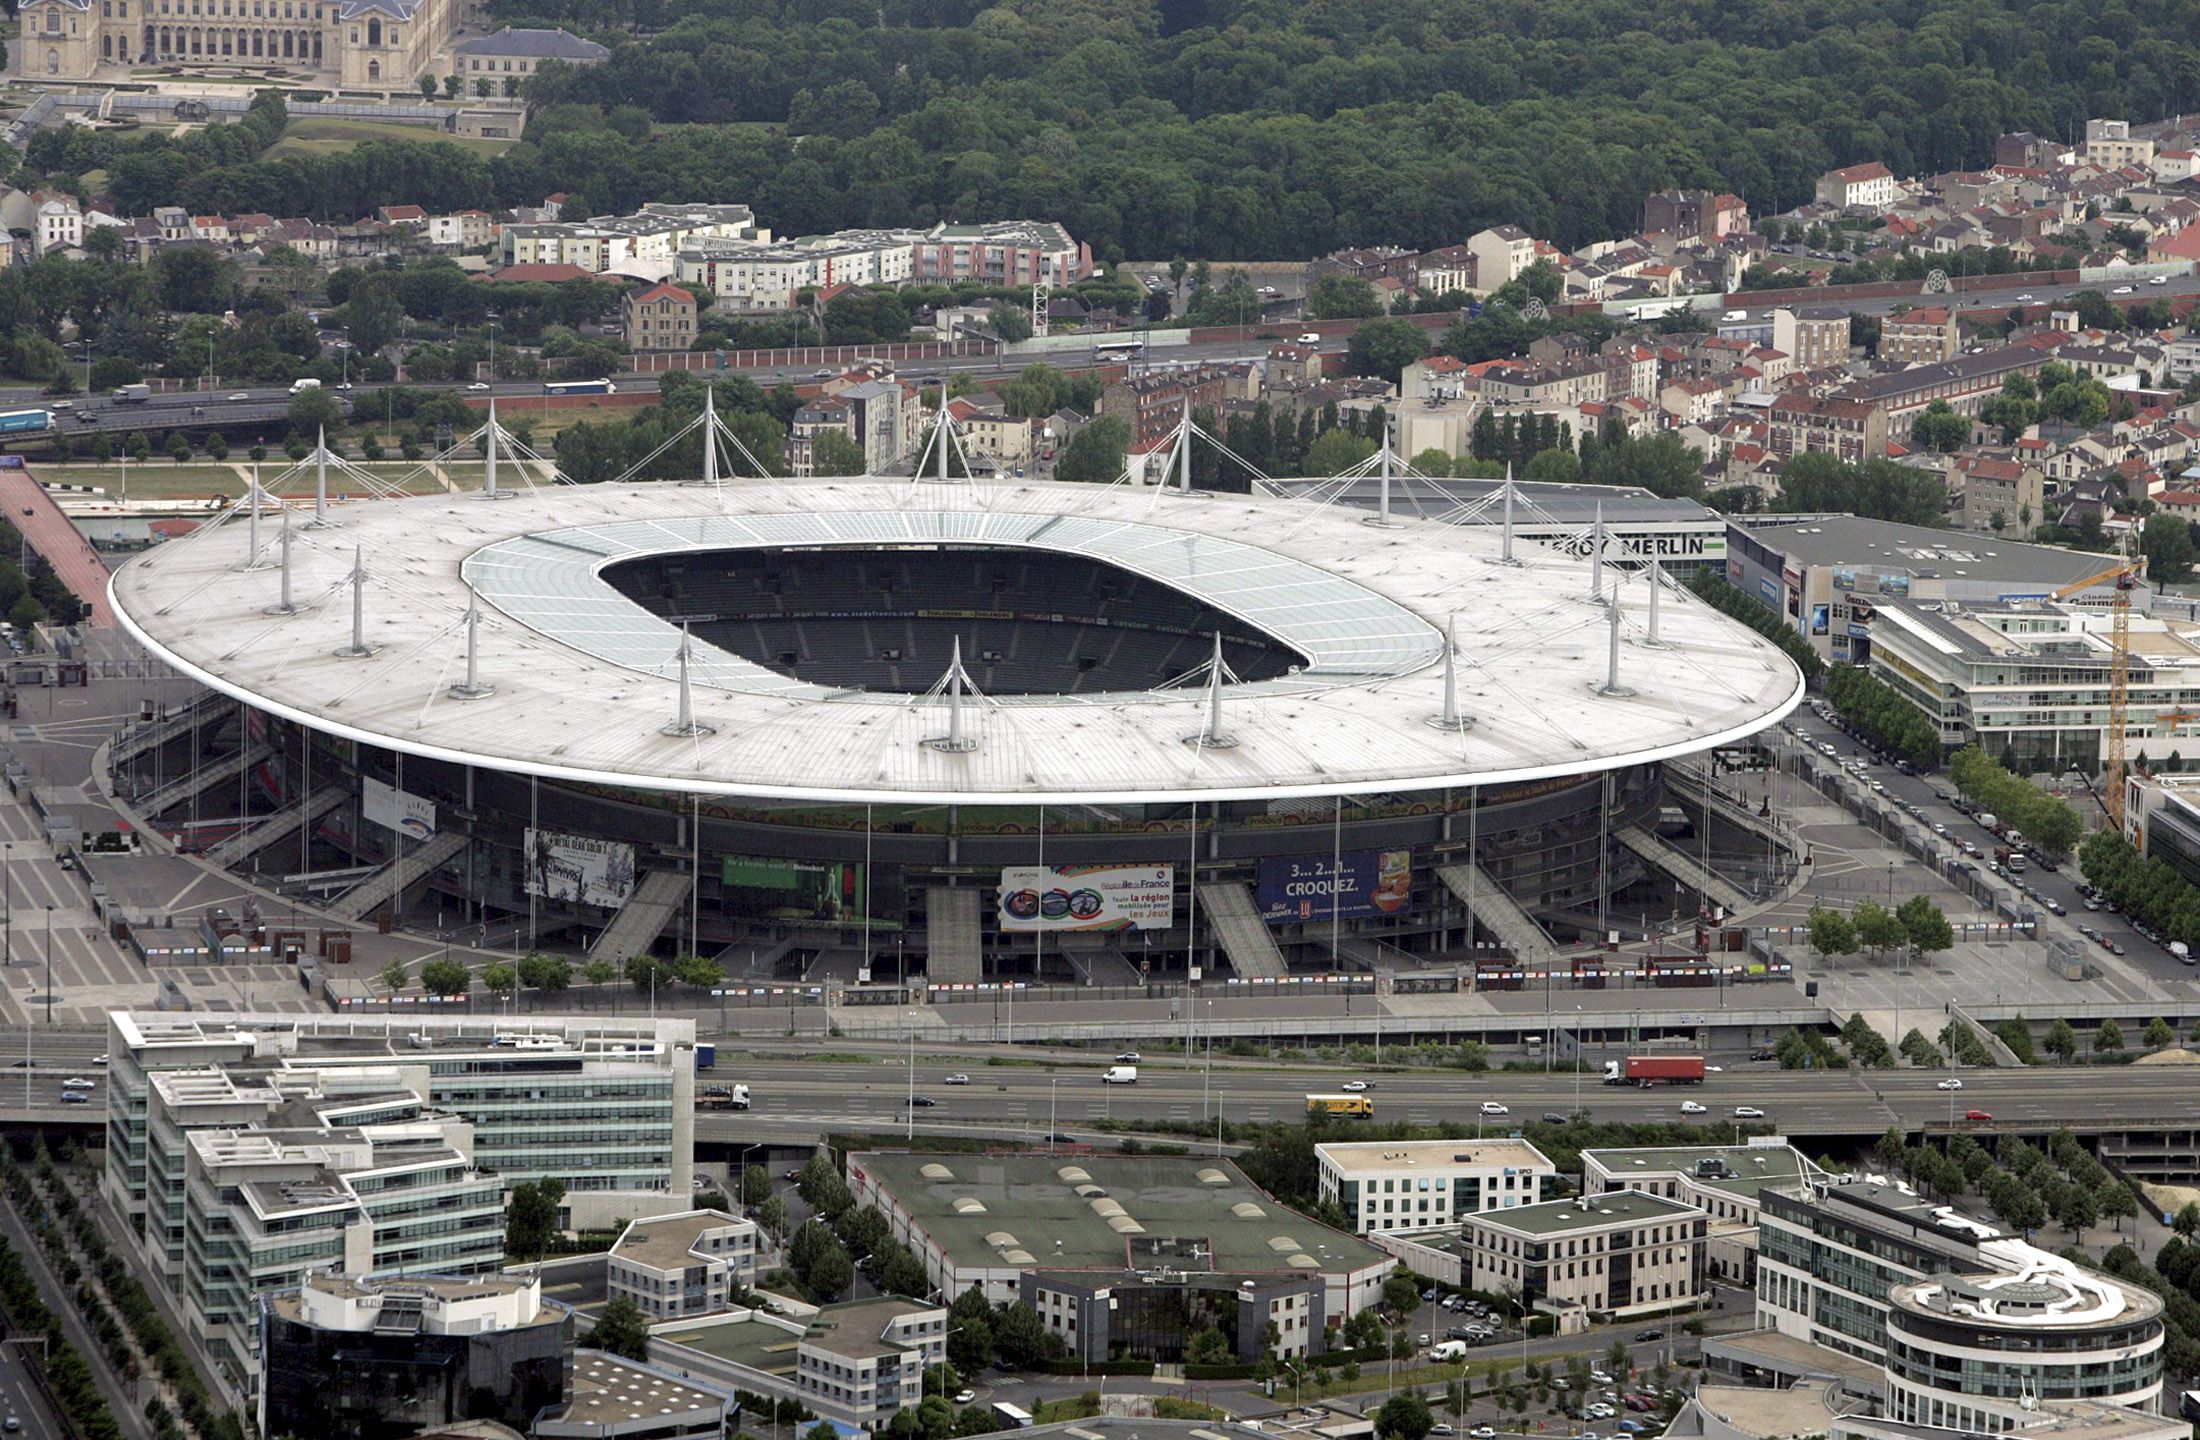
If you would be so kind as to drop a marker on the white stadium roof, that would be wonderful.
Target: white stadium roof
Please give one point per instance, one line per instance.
(585, 681)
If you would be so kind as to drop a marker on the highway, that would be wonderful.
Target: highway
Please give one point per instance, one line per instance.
(2041, 296)
(266, 408)
(794, 1097)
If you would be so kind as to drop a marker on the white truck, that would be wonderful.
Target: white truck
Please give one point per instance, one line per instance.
(303, 384)
(1119, 1075)
(1448, 1350)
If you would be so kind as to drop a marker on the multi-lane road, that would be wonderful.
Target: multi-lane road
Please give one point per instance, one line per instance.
(795, 1097)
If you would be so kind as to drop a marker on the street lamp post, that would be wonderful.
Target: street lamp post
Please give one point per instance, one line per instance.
(49, 964)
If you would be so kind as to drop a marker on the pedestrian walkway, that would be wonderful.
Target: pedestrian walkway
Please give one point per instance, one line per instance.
(74, 561)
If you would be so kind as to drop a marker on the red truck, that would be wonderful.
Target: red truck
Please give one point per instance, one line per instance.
(1655, 1070)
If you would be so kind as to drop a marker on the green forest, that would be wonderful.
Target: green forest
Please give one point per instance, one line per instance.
(1230, 129)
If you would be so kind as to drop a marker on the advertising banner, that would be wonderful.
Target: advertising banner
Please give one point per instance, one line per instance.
(579, 868)
(393, 809)
(759, 887)
(1087, 897)
(1351, 886)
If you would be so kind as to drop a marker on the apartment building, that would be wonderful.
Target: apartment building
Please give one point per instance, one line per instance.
(661, 317)
(1813, 337)
(1966, 382)
(880, 415)
(765, 278)
(1800, 424)
(649, 240)
(686, 1264)
(1924, 336)
(2111, 145)
(1613, 1256)
(1407, 1185)
(1001, 252)
(1153, 402)
(1869, 186)
(2001, 494)
(1500, 253)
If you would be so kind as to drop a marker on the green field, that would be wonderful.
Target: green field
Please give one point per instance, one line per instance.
(333, 137)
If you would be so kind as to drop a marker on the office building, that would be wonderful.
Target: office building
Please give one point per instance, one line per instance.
(1612, 1256)
(985, 1220)
(1154, 1317)
(1965, 1322)
(686, 1264)
(1826, 574)
(1406, 1185)
(264, 1209)
(351, 1358)
(605, 1105)
(1723, 1181)
(2030, 682)
(862, 1363)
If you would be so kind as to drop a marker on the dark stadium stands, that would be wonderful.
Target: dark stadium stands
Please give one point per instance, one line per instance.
(886, 619)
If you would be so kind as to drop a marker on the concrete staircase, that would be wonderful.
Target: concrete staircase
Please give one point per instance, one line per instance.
(643, 917)
(408, 869)
(1235, 920)
(1681, 866)
(280, 826)
(206, 777)
(1496, 911)
(952, 953)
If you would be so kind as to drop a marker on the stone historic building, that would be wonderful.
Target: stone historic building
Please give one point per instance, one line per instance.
(366, 44)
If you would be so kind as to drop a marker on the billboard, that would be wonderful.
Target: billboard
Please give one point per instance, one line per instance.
(579, 868)
(1351, 886)
(1087, 897)
(410, 815)
(759, 887)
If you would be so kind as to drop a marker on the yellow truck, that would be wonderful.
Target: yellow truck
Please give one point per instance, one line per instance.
(1358, 1106)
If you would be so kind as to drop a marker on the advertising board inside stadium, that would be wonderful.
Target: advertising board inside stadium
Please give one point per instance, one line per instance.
(1350, 886)
(760, 887)
(579, 868)
(413, 816)
(1087, 897)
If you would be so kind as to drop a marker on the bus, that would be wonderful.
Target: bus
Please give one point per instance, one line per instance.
(1357, 1106)
(1118, 349)
(579, 387)
(1016, 1417)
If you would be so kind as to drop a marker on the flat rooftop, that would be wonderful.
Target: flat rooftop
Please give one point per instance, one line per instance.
(1108, 1212)
(854, 1330)
(272, 1038)
(1384, 1156)
(756, 1344)
(609, 1390)
(667, 1242)
(1752, 1167)
(1886, 547)
(1559, 1217)
(1802, 1409)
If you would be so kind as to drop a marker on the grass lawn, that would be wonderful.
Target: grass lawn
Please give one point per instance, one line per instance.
(332, 137)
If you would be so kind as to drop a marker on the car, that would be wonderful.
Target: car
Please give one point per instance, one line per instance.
(1748, 1112)
(99, 1059)
(61, 405)
(2055, 907)
(793, 1175)
(1692, 1107)
(1459, 1332)
(1561, 1383)
(1646, 1336)
(75, 1097)
(1951, 1083)
(1976, 1115)
(11, 1425)
(1310, 338)
(479, 385)
(1631, 1427)
(964, 1397)
(2114, 948)
(1353, 1087)
(1764, 1053)
(958, 1078)
(921, 1102)
(1483, 1432)
(76, 1082)
(1492, 1107)
(2104, 942)
(1556, 1117)
(1442, 1427)
(702, 1182)
(2159, 280)
(1429, 1294)
(2121, 290)
(1602, 1379)
(1128, 1057)
(2025, 296)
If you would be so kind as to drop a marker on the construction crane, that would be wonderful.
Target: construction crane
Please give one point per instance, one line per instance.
(2125, 576)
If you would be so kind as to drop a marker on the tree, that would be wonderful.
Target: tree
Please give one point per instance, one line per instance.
(1385, 347)
(2061, 1041)
(499, 979)
(394, 975)
(822, 1188)
(2109, 1039)
(427, 87)
(1830, 932)
(1924, 926)
(1335, 450)
(599, 972)
(550, 974)
(2157, 1035)
(833, 453)
(2187, 1221)
(1094, 455)
(2075, 1211)
(2167, 541)
(902, 1273)
(970, 1332)
(1405, 1416)
(2115, 1201)
(1342, 297)
(1940, 428)
(314, 410)
(646, 973)
(445, 977)
(1555, 466)
(1878, 929)
(1401, 1294)
(1018, 1336)
(531, 1218)
(1207, 1347)
(621, 1330)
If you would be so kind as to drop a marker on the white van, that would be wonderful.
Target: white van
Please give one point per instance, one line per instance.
(1119, 1075)
(1734, 317)
(304, 384)
(1448, 1350)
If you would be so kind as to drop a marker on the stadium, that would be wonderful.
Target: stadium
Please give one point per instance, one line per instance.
(880, 728)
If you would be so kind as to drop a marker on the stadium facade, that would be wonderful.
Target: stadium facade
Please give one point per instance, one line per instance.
(955, 729)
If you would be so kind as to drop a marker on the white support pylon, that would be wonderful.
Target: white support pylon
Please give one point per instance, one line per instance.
(358, 649)
(320, 477)
(954, 742)
(1657, 583)
(1184, 451)
(1450, 717)
(1611, 688)
(1213, 736)
(710, 435)
(252, 543)
(1382, 495)
(471, 687)
(284, 606)
(490, 491)
(685, 725)
(1596, 558)
(1507, 555)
